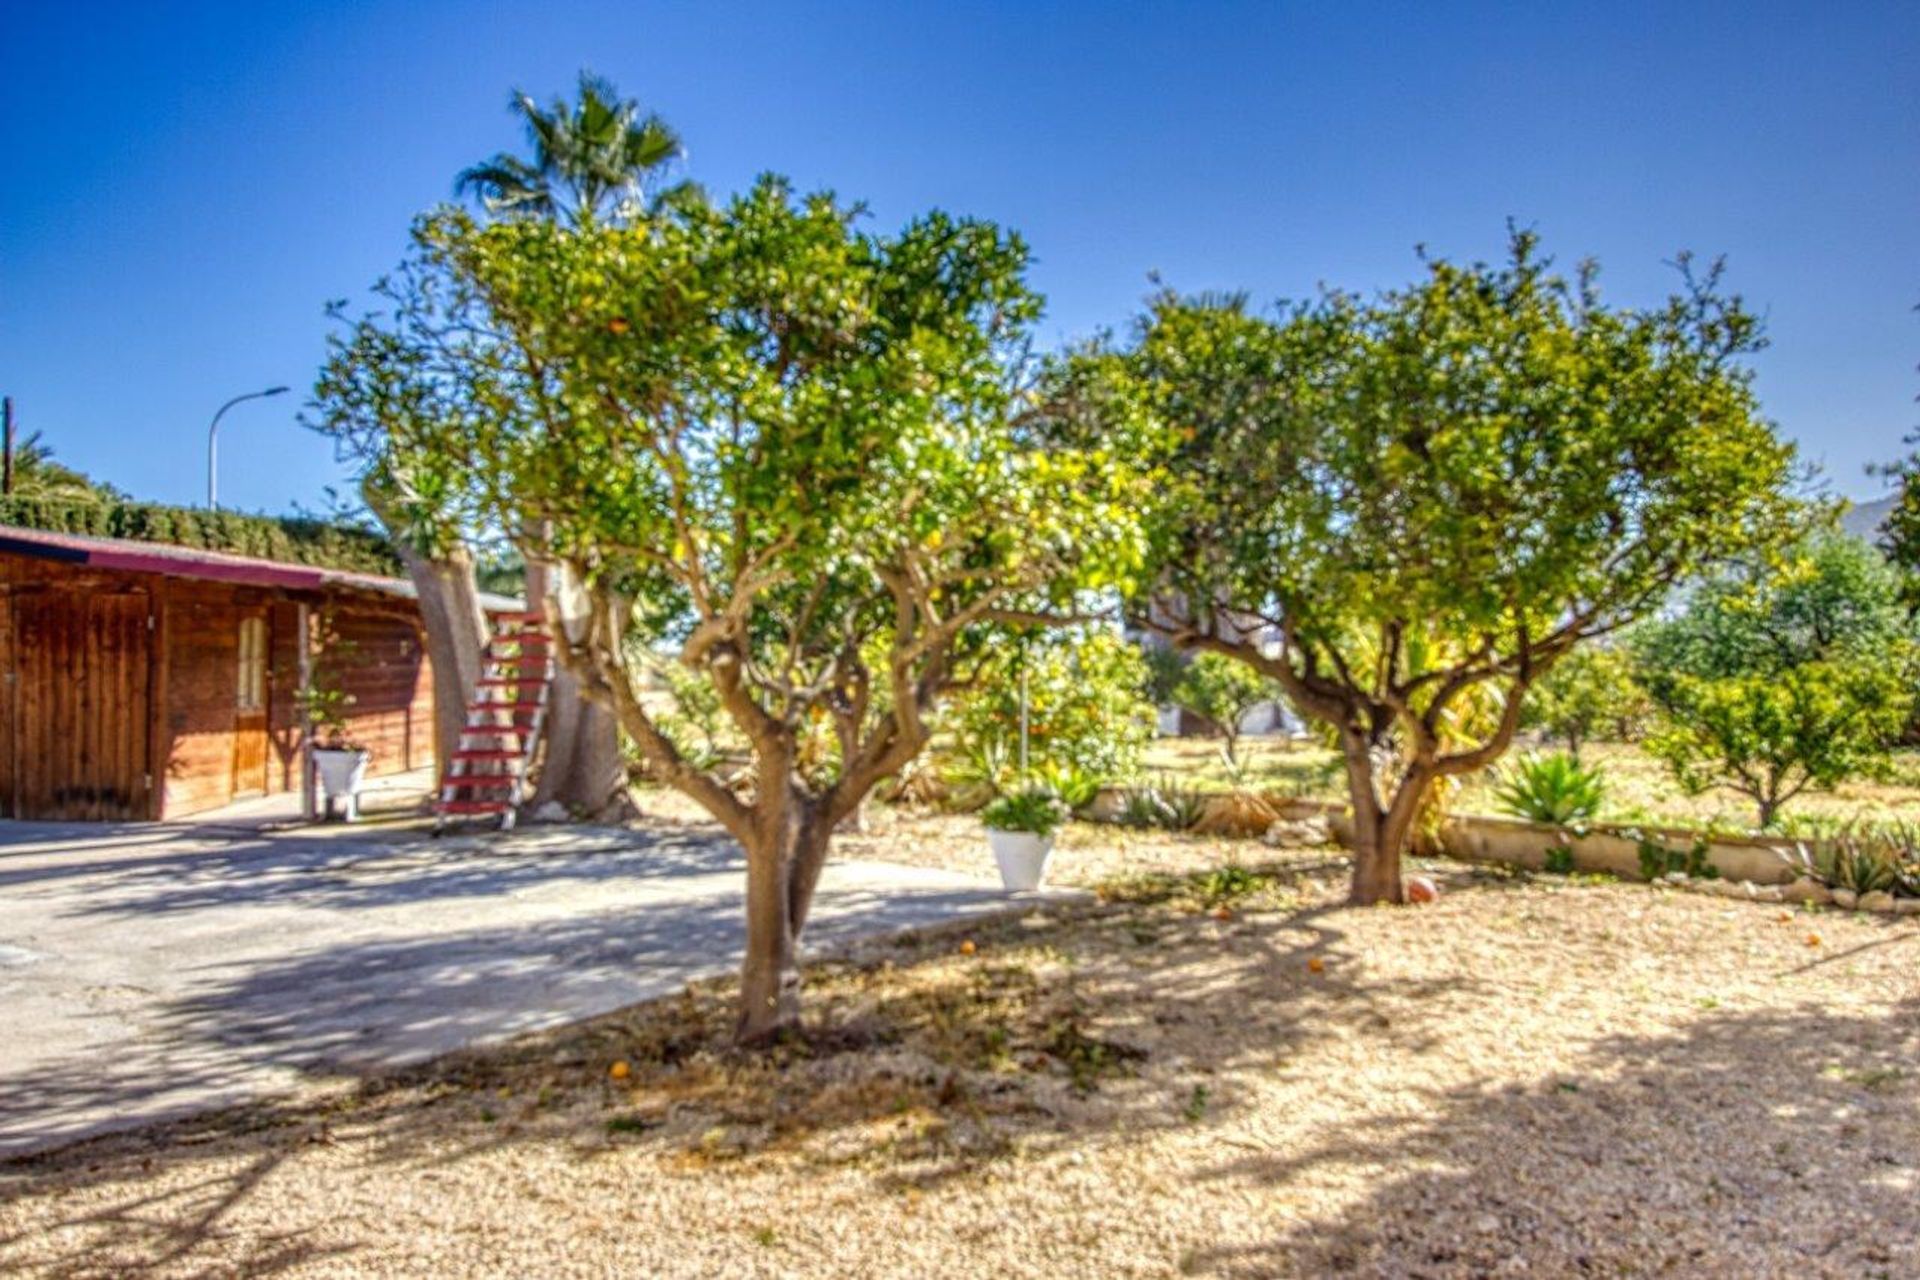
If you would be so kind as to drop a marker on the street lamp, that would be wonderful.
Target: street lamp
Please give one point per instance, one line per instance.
(213, 490)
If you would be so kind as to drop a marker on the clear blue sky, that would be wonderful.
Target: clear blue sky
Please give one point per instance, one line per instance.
(188, 185)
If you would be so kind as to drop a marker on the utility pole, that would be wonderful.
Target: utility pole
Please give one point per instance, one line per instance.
(6, 449)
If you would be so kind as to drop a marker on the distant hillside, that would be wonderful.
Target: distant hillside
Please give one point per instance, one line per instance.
(1864, 519)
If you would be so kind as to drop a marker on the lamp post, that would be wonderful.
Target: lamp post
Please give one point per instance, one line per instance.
(213, 484)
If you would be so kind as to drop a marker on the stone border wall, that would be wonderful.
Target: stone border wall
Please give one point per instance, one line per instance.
(1613, 848)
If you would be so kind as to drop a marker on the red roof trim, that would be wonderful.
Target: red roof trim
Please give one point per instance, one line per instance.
(128, 556)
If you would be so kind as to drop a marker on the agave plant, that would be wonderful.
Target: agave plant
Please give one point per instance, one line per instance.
(1863, 857)
(1166, 804)
(1553, 788)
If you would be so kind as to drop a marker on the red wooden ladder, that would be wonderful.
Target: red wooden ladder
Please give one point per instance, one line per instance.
(486, 775)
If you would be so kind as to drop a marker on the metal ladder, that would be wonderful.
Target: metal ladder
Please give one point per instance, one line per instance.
(486, 775)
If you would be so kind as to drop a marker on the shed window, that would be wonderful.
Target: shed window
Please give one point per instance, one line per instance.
(251, 688)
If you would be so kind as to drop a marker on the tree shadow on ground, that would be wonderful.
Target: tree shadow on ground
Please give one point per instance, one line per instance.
(362, 1007)
(142, 872)
(935, 1054)
(1753, 1144)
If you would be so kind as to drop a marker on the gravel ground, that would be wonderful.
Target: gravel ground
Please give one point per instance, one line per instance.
(1227, 1074)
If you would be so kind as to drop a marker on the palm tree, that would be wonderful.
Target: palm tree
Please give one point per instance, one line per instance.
(596, 157)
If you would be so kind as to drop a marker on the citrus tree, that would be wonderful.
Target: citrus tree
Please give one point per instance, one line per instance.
(785, 447)
(1086, 710)
(1222, 691)
(1589, 694)
(1406, 509)
(1781, 677)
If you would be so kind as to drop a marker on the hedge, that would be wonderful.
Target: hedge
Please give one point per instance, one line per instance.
(289, 539)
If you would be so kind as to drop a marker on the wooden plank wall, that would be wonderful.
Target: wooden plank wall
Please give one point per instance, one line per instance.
(177, 719)
(76, 682)
(386, 672)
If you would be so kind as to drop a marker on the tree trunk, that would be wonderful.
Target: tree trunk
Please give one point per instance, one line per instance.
(583, 769)
(1379, 832)
(783, 866)
(456, 637)
(456, 626)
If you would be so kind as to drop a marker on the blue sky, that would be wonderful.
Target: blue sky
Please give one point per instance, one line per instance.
(189, 185)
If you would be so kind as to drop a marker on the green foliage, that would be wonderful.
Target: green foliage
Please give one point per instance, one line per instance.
(1559, 860)
(1165, 803)
(1085, 709)
(1431, 496)
(1035, 810)
(696, 724)
(1076, 787)
(1589, 694)
(1781, 677)
(38, 477)
(1165, 666)
(1553, 789)
(1222, 885)
(324, 700)
(289, 539)
(1864, 857)
(1657, 861)
(596, 156)
(1222, 690)
(760, 434)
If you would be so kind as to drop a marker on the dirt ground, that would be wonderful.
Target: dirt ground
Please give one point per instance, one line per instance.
(1215, 1069)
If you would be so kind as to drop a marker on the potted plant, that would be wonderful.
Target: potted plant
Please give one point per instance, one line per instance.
(1020, 831)
(340, 762)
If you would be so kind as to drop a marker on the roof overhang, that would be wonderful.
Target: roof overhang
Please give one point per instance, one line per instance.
(126, 556)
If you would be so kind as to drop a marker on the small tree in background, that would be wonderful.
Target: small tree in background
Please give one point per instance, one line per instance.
(1222, 691)
(1086, 713)
(786, 448)
(1432, 497)
(1589, 694)
(1780, 678)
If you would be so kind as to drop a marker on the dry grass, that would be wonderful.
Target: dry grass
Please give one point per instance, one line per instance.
(1216, 1073)
(1639, 788)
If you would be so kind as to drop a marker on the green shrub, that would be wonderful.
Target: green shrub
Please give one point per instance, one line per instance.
(1035, 810)
(1864, 857)
(1559, 860)
(288, 539)
(1554, 789)
(1165, 804)
(1658, 861)
(1077, 788)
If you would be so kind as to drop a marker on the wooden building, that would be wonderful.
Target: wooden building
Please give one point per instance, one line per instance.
(143, 681)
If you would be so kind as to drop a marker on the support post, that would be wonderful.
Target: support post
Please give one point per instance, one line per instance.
(308, 806)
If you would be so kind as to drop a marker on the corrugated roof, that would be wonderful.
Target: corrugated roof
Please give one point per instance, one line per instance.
(129, 556)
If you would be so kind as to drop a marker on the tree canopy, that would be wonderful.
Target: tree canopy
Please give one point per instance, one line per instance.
(1780, 677)
(789, 447)
(1405, 509)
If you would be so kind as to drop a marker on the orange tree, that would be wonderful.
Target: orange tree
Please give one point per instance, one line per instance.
(1406, 509)
(787, 448)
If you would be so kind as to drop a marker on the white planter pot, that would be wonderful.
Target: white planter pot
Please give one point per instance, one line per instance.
(1022, 856)
(341, 773)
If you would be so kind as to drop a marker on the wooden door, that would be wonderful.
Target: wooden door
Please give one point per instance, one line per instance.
(250, 706)
(79, 705)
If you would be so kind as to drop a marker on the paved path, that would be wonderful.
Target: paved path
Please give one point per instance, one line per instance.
(148, 970)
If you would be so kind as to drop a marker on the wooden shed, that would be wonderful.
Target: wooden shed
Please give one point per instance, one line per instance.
(143, 681)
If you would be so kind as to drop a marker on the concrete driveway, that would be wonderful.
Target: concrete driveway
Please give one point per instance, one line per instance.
(147, 970)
